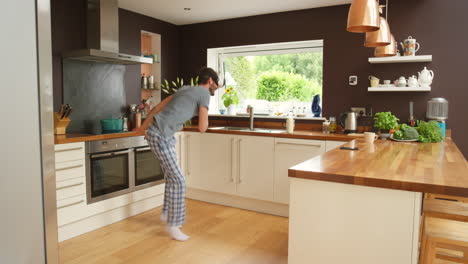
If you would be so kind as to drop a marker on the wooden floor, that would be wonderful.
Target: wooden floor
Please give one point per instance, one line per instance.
(219, 235)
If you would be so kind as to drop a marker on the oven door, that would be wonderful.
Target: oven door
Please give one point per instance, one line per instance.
(109, 174)
(148, 170)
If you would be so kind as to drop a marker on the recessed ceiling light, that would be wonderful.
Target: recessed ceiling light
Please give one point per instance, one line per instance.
(187, 8)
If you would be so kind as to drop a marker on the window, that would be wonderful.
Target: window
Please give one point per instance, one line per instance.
(273, 78)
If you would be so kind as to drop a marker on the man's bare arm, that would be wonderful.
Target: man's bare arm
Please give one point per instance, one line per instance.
(202, 119)
(158, 108)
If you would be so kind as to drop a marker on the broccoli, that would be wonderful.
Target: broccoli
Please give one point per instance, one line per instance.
(398, 134)
(410, 133)
(403, 127)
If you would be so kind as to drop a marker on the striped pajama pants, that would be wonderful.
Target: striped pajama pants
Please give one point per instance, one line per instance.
(174, 195)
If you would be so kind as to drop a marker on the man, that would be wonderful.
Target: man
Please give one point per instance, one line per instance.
(169, 117)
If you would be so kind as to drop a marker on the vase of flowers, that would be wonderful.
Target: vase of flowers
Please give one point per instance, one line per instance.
(230, 99)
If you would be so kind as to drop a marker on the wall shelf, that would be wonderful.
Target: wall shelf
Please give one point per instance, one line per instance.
(399, 89)
(401, 59)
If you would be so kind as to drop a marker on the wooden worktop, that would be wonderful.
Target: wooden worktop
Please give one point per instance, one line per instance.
(438, 168)
(76, 137)
(298, 134)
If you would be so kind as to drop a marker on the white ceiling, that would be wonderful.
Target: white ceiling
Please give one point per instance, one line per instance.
(211, 10)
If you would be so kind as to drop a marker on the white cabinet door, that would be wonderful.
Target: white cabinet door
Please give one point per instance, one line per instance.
(255, 163)
(334, 144)
(179, 149)
(290, 152)
(192, 152)
(216, 170)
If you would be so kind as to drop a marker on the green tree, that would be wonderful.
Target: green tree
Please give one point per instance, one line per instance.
(307, 64)
(242, 72)
(275, 86)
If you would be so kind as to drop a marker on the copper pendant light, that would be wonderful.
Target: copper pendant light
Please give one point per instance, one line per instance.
(386, 51)
(363, 16)
(381, 37)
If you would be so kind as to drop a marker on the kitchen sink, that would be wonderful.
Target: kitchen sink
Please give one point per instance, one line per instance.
(246, 129)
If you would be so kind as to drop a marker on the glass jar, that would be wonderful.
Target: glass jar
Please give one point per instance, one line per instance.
(332, 125)
(326, 127)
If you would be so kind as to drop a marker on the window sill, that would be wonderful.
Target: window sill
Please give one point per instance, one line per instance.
(270, 117)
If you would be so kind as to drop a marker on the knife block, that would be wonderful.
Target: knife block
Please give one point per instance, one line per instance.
(60, 125)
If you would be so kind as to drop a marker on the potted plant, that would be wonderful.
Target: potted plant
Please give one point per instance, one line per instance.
(385, 122)
(230, 99)
(173, 86)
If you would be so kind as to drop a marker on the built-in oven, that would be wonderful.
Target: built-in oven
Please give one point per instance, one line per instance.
(119, 166)
(148, 170)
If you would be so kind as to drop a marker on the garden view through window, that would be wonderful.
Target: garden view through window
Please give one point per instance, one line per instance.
(274, 84)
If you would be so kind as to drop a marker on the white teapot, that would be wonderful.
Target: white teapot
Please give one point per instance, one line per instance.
(425, 77)
(412, 81)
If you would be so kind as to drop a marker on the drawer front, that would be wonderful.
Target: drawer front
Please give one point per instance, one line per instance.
(70, 208)
(69, 170)
(69, 152)
(70, 188)
(71, 202)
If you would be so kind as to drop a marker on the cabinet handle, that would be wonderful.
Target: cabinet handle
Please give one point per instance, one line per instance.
(67, 205)
(240, 162)
(69, 186)
(295, 144)
(187, 167)
(232, 160)
(71, 167)
(70, 149)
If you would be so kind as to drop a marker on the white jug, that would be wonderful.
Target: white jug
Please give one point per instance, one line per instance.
(425, 77)
(412, 81)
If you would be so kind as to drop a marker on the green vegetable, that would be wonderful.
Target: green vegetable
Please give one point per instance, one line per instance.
(410, 133)
(403, 127)
(385, 121)
(429, 132)
(398, 134)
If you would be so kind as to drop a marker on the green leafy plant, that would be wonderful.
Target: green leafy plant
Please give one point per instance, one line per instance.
(406, 132)
(429, 132)
(173, 86)
(385, 121)
(276, 86)
(230, 96)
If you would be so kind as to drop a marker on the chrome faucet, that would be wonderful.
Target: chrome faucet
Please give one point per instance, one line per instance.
(251, 116)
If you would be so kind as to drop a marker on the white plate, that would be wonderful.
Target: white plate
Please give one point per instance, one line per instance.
(403, 140)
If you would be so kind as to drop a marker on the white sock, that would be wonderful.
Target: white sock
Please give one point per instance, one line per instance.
(163, 217)
(176, 233)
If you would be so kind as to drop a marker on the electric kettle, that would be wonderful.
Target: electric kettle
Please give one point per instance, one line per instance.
(348, 121)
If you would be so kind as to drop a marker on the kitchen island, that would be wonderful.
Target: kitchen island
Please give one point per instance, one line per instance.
(364, 206)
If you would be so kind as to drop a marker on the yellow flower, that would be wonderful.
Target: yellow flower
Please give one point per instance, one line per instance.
(228, 90)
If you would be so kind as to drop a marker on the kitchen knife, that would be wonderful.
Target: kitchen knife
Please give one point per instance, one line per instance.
(69, 111)
(60, 113)
(63, 111)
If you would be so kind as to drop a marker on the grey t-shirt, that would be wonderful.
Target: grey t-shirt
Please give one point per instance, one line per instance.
(184, 105)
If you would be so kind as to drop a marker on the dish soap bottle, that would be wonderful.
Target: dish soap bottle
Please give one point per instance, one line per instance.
(290, 125)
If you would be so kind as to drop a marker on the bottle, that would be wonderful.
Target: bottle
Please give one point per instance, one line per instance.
(326, 127)
(290, 125)
(332, 125)
(125, 124)
(138, 120)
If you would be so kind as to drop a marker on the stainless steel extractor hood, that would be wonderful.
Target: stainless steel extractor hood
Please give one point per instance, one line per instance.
(103, 36)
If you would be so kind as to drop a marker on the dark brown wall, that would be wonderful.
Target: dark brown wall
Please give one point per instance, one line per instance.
(69, 32)
(438, 25)
(130, 27)
(68, 19)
